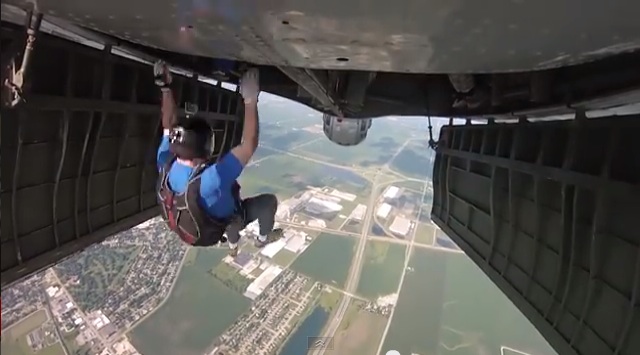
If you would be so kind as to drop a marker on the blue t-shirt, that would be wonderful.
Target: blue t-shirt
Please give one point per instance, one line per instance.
(215, 186)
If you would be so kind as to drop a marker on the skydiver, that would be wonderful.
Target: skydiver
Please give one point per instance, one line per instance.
(200, 199)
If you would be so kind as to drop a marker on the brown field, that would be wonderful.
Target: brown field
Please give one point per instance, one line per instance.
(359, 333)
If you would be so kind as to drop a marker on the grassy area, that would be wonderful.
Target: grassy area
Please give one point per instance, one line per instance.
(286, 139)
(14, 339)
(416, 186)
(282, 175)
(230, 277)
(382, 268)
(425, 233)
(329, 299)
(359, 331)
(327, 259)
(353, 226)
(350, 315)
(284, 257)
(414, 161)
(263, 152)
(448, 303)
(477, 313)
(416, 321)
(425, 214)
(31, 322)
(190, 258)
(383, 140)
(198, 310)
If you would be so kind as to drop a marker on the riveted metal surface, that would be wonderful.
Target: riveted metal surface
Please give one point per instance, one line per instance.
(548, 210)
(78, 158)
(416, 36)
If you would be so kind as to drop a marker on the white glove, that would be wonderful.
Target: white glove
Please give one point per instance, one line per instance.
(250, 85)
(162, 74)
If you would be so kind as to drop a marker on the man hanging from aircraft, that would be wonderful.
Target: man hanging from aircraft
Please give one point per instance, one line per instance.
(200, 199)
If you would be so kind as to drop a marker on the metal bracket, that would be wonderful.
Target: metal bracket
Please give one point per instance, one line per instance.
(17, 77)
(190, 109)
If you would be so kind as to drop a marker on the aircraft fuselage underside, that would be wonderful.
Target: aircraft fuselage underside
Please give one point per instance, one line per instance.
(526, 55)
(547, 210)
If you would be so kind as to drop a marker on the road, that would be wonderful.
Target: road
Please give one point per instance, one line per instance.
(370, 237)
(386, 168)
(354, 274)
(356, 267)
(319, 161)
(350, 294)
(407, 258)
(83, 315)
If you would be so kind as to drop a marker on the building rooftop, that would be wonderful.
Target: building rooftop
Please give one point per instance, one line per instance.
(383, 210)
(358, 212)
(295, 243)
(242, 259)
(391, 192)
(273, 248)
(261, 282)
(400, 226)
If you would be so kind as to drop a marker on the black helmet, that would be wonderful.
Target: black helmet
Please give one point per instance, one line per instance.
(193, 139)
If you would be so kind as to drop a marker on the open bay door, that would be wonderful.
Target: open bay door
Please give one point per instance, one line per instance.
(549, 212)
(78, 154)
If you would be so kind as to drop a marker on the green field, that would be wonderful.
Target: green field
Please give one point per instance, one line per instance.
(199, 309)
(416, 186)
(230, 277)
(425, 233)
(327, 259)
(448, 303)
(476, 312)
(281, 174)
(416, 319)
(382, 268)
(385, 137)
(414, 161)
(284, 257)
(263, 152)
(14, 339)
(359, 331)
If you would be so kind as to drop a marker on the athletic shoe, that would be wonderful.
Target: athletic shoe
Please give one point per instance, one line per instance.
(273, 236)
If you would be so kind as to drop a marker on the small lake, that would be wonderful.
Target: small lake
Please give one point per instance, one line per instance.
(310, 327)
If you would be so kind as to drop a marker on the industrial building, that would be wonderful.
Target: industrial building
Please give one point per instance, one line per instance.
(317, 206)
(384, 210)
(358, 212)
(273, 248)
(391, 192)
(296, 243)
(400, 226)
(242, 259)
(261, 282)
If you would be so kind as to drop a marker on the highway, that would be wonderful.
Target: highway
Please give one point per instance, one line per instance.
(83, 315)
(356, 266)
(56, 327)
(407, 258)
